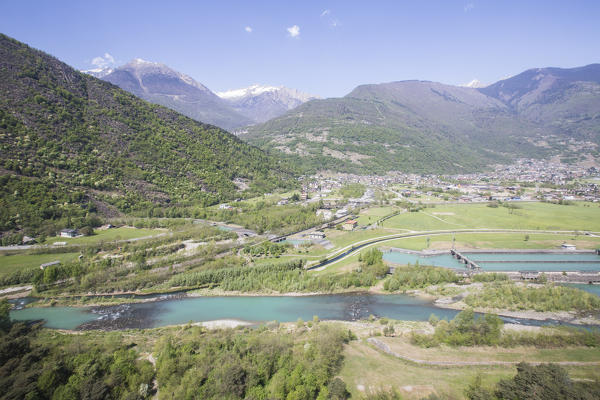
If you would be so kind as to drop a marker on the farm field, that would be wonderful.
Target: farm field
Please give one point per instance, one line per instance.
(534, 216)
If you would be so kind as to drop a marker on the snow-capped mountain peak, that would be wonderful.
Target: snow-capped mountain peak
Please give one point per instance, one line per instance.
(253, 90)
(98, 72)
(263, 102)
(475, 83)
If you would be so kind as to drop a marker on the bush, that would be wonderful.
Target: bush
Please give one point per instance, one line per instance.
(464, 330)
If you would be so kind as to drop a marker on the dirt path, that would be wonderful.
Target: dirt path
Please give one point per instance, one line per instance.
(386, 349)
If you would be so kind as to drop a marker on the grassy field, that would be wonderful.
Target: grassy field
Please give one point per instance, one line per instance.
(367, 369)
(481, 354)
(107, 235)
(543, 216)
(371, 215)
(12, 263)
(345, 238)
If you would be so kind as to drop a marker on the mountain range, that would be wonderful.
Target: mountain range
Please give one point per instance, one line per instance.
(262, 103)
(71, 143)
(424, 127)
(159, 84)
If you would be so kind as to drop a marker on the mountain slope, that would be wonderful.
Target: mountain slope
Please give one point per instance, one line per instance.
(419, 126)
(160, 84)
(262, 103)
(412, 126)
(562, 101)
(71, 143)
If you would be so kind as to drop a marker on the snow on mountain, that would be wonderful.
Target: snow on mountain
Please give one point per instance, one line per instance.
(160, 84)
(263, 102)
(98, 72)
(475, 84)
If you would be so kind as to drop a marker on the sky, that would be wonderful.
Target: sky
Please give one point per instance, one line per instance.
(325, 48)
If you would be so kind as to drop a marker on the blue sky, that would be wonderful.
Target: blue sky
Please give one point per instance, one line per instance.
(321, 47)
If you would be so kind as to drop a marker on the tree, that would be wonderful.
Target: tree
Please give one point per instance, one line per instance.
(4, 315)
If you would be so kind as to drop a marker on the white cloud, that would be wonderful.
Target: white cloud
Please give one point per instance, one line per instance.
(294, 31)
(248, 29)
(331, 20)
(469, 6)
(103, 61)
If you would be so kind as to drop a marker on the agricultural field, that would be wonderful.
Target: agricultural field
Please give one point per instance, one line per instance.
(534, 216)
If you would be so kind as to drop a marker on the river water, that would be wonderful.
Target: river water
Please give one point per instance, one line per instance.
(255, 309)
(547, 262)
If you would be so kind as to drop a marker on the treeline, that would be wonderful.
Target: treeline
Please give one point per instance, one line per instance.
(266, 248)
(68, 366)
(545, 381)
(254, 365)
(543, 298)
(417, 277)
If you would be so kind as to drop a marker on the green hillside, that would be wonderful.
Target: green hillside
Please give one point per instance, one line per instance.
(72, 145)
(428, 127)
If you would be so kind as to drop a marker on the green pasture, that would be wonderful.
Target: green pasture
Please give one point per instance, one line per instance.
(534, 216)
(16, 262)
(108, 235)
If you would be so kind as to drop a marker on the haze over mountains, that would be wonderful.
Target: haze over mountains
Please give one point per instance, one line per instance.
(233, 109)
(422, 126)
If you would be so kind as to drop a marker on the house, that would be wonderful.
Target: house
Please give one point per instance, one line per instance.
(567, 246)
(282, 202)
(225, 206)
(69, 233)
(43, 266)
(317, 235)
(349, 225)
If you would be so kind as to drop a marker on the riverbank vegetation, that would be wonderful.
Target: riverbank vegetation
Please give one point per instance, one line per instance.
(468, 329)
(418, 277)
(255, 365)
(539, 298)
(282, 278)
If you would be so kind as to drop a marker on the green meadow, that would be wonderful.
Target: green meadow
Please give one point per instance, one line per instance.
(534, 216)
(19, 262)
(108, 235)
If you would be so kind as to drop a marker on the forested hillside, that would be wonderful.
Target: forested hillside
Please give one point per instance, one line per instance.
(72, 145)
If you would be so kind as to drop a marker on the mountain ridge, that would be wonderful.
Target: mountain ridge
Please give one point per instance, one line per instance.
(71, 144)
(396, 125)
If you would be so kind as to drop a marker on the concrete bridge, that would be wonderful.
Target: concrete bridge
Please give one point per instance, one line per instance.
(462, 258)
